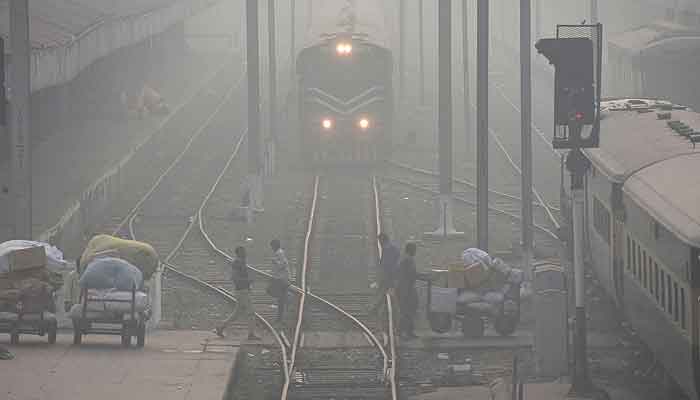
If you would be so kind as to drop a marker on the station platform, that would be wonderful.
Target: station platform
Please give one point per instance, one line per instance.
(172, 365)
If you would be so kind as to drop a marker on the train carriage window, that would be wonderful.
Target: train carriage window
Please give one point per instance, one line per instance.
(629, 254)
(669, 290)
(644, 270)
(675, 302)
(656, 280)
(634, 258)
(663, 289)
(682, 304)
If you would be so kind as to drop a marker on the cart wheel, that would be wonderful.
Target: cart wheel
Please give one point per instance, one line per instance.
(14, 338)
(472, 326)
(53, 329)
(141, 336)
(505, 324)
(440, 322)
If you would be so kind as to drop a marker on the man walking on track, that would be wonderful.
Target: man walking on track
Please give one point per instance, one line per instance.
(244, 308)
(279, 285)
(406, 292)
(386, 272)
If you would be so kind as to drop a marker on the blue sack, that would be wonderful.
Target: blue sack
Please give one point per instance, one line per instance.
(111, 273)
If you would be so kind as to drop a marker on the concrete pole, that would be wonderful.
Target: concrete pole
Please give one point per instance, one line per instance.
(445, 214)
(273, 140)
(468, 128)
(293, 44)
(482, 147)
(21, 157)
(421, 51)
(526, 133)
(402, 62)
(594, 12)
(254, 184)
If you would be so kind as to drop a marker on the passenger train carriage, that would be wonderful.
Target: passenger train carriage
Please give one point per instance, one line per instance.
(643, 227)
(345, 85)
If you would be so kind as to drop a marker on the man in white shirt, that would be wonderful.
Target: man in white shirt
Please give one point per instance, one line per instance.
(279, 285)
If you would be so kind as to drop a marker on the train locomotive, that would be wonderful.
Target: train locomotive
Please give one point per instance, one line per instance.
(345, 87)
(643, 228)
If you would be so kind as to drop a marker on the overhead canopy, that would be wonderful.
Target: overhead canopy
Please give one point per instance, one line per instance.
(655, 37)
(68, 35)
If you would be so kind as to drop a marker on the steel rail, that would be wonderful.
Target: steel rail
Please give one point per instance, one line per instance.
(512, 216)
(464, 182)
(305, 291)
(169, 266)
(296, 341)
(513, 164)
(134, 210)
(391, 372)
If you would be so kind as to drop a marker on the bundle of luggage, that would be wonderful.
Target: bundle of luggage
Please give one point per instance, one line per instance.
(113, 277)
(482, 281)
(148, 102)
(30, 273)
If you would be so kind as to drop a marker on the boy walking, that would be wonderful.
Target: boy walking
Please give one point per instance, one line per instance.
(244, 308)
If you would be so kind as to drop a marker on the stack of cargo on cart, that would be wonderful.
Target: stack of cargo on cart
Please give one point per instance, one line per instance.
(30, 275)
(477, 289)
(111, 298)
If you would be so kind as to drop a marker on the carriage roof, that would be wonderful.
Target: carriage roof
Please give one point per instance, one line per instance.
(657, 167)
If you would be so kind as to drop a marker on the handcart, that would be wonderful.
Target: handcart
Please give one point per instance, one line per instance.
(110, 315)
(445, 304)
(30, 316)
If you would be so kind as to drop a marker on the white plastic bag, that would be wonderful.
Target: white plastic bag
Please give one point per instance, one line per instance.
(474, 255)
(54, 256)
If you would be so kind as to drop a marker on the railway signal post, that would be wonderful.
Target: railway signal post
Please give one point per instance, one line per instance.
(576, 55)
(254, 180)
(21, 159)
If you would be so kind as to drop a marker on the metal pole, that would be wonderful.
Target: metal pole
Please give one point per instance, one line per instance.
(445, 103)
(482, 147)
(21, 158)
(421, 50)
(253, 67)
(272, 55)
(526, 132)
(594, 12)
(293, 44)
(577, 164)
(402, 60)
(467, 79)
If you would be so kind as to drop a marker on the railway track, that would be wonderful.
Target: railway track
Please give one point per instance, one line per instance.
(335, 241)
(505, 205)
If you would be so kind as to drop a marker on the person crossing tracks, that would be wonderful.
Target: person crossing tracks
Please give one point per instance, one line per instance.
(406, 292)
(244, 307)
(281, 278)
(386, 273)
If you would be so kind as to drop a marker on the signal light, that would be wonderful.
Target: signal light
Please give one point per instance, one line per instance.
(343, 49)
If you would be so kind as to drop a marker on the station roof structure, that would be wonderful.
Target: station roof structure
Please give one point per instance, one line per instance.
(658, 36)
(68, 35)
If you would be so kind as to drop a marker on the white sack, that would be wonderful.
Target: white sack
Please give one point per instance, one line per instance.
(54, 256)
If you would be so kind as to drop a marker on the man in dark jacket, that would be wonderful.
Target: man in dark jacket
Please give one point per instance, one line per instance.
(244, 307)
(386, 271)
(406, 292)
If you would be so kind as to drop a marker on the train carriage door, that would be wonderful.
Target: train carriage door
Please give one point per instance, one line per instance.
(618, 244)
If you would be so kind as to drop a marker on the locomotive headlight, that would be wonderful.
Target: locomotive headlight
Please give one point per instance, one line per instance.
(363, 124)
(343, 49)
(327, 124)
